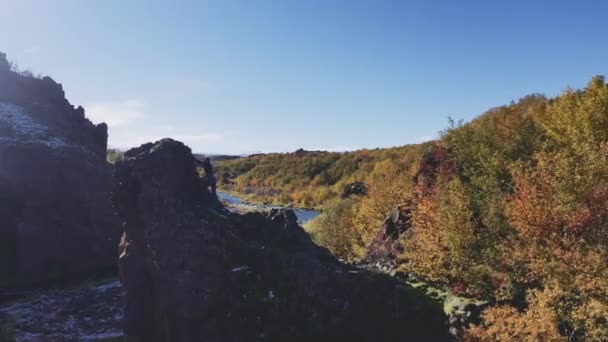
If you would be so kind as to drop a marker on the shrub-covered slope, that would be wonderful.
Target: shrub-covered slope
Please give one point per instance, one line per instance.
(311, 178)
(512, 206)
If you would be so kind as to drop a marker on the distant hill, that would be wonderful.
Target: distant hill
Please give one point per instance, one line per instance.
(310, 178)
(218, 157)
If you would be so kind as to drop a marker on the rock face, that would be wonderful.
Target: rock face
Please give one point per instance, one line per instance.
(385, 247)
(193, 271)
(436, 162)
(56, 217)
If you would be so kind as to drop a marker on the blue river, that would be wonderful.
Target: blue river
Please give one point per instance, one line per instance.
(304, 215)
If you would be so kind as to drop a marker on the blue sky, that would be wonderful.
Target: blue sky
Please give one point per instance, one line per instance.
(260, 75)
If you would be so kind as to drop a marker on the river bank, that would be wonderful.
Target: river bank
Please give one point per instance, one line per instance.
(238, 204)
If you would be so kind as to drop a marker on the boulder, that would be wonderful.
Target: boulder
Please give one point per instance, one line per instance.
(194, 271)
(56, 215)
(355, 188)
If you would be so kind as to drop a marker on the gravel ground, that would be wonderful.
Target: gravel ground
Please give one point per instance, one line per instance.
(88, 313)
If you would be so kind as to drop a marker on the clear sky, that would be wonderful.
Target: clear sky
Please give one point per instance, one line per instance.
(260, 75)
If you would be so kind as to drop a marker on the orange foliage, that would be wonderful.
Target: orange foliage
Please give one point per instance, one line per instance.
(506, 323)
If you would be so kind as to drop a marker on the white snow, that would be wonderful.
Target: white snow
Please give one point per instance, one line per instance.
(25, 129)
(240, 268)
(51, 316)
(110, 285)
(102, 336)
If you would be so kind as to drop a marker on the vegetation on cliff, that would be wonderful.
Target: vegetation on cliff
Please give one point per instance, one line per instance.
(512, 206)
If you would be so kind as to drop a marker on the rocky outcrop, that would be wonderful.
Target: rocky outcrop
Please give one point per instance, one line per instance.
(48, 116)
(355, 188)
(437, 162)
(56, 217)
(193, 271)
(386, 246)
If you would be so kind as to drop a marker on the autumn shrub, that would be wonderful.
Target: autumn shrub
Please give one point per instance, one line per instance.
(559, 254)
(512, 206)
(389, 186)
(506, 323)
(334, 230)
(443, 243)
(559, 211)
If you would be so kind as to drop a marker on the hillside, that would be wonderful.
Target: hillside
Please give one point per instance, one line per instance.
(512, 206)
(311, 178)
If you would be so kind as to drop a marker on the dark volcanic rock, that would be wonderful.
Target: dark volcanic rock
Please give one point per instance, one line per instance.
(193, 271)
(56, 217)
(436, 162)
(386, 246)
(355, 188)
(43, 101)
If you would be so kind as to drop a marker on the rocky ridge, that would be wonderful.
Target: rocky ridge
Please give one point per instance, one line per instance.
(192, 270)
(56, 217)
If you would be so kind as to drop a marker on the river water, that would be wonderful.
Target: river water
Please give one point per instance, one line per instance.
(304, 215)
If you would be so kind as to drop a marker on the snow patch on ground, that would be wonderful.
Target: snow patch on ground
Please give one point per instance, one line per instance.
(107, 286)
(23, 128)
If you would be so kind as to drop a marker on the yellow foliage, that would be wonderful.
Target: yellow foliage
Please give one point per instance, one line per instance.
(334, 229)
(443, 238)
(388, 186)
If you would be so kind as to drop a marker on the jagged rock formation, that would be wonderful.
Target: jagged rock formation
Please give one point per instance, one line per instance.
(193, 271)
(39, 112)
(56, 217)
(385, 247)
